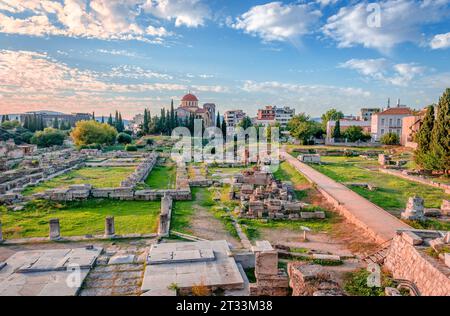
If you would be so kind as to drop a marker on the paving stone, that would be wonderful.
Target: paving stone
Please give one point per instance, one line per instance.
(121, 259)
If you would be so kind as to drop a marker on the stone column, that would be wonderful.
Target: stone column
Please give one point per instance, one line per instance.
(55, 230)
(110, 230)
(1, 234)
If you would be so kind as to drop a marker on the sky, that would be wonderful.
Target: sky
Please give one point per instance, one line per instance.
(103, 55)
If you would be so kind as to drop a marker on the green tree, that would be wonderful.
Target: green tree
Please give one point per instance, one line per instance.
(224, 128)
(440, 139)
(92, 132)
(337, 130)
(9, 125)
(124, 138)
(303, 128)
(145, 123)
(423, 140)
(390, 139)
(331, 115)
(245, 123)
(218, 124)
(110, 120)
(55, 123)
(48, 137)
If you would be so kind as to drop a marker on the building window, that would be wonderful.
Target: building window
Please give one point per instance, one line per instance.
(382, 131)
(382, 121)
(398, 122)
(390, 122)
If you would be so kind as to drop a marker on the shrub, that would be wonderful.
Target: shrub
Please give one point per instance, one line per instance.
(48, 137)
(124, 138)
(390, 139)
(92, 132)
(131, 148)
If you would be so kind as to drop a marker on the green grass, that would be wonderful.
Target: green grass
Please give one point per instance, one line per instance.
(288, 173)
(81, 218)
(99, 177)
(356, 284)
(162, 177)
(250, 273)
(392, 193)
(251, 227)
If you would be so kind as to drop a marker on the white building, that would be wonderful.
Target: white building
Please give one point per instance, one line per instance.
(388, 121)
(233, 117)
(283, 115)
(365, 114)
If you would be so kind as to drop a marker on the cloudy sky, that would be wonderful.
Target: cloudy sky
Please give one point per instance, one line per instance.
(102, 55)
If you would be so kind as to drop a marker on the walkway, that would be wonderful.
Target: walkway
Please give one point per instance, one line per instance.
(379, 223)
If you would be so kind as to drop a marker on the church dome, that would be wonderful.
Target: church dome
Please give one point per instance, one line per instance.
(189, 98)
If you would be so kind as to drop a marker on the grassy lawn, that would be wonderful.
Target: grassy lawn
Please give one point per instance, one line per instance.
(81, 218)
(288, 173)
(252, 227)
(392, 193)
(162, 176)
(99, 177)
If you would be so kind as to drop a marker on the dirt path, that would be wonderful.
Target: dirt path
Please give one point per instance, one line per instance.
(204, 225)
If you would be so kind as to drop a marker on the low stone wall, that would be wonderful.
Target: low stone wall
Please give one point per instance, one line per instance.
(142, 171)
(165, 216)
(409, 262)
(312, 280)
(417, 179)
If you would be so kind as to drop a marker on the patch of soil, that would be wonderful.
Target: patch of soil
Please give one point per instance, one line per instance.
(204, 225)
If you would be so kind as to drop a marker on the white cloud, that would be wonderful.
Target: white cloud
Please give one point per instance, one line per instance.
(276, 21)
(326, 2)
(276, 87)
(367, 67)
(401, 21)
(191, 13)
(102, 19)
(31, 77)
(440, 41)
(380, 69)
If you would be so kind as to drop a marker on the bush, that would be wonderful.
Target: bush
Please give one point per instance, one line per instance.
(355, 133)
(150, 141)
(92, 132)
(48, 137)
(124, 138)
(390, 139)
(131, 148)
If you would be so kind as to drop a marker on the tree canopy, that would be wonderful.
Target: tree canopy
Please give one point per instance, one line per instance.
(92, 132)
(303, 128)
(48, 137)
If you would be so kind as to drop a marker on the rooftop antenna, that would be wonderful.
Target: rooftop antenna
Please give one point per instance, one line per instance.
(389, 103)
(398, 102)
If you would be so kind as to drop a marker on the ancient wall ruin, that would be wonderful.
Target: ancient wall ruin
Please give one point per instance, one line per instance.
(407, 259)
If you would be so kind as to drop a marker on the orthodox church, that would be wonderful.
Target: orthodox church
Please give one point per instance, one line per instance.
(189, 105)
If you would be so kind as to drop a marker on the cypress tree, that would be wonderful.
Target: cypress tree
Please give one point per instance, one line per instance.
(423, 139)
(440, 139)
(3, 118)
(145, 123)
(55, 123)
(218, 125)
(224, 128)
(337, 130)
(103, 119)
(120, 126)
(172, 117)
(110, 120)
(93, 116)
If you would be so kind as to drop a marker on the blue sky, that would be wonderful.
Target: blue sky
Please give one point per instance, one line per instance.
(98, 55)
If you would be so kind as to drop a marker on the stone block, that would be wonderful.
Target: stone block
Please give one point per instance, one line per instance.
(412, 238)
(391, 291)
(326, 257)
(447, 259)
(266, 263)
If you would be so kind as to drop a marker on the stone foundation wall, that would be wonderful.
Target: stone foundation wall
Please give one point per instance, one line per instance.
(405, 261)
